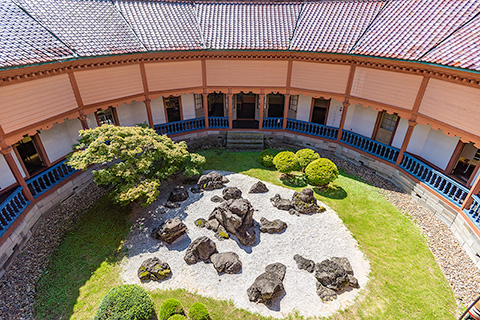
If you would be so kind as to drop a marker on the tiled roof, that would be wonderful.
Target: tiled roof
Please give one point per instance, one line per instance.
(89, 27)
(438, 31)
(333, 26)
(239, 25)
(461, 49)
(23, 41)
(406, 29)
(163, 25)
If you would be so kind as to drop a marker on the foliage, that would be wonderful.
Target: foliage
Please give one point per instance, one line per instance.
(294, 180)
(321, 172)
(305, 156)
(286, 162)
(177, 317)
(266, 157)
(125, 302)
(198, 311)
(170, 307)
(136, 160)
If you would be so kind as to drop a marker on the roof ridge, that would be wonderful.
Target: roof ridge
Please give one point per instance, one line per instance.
(202, 37)
(129, 25)
(296, 25)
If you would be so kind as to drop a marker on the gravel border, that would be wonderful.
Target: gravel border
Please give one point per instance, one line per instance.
(17, 286)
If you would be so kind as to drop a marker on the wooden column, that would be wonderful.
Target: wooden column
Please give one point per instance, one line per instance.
(406, 140)
(342, 120)
(262, 107)
(285, 110)
(83, 120)
(148, 106)
(473, 191)
(230, 112)
(205, 109)
(474, 173)
(7, 153)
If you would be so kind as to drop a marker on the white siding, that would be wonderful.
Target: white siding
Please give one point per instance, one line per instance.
(400, 133)
(92, 121)
(188, 106)
(432, 145)
(59, 139)
(303, 108)
(132, 114)
(158, 111)
(6, 176)
(361, 120)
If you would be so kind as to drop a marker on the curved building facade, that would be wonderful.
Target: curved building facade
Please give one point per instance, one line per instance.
(393, 85)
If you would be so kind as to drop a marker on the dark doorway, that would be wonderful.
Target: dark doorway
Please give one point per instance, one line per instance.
(174, 111)
(216, 104)
(246, 105)
(276, 104)
(320, 111)
(466, 163)
(29, 155)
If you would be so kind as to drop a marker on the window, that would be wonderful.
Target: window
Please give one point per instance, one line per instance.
(198, 100)
(320, 111)
(106, 117)
(28, 152)
(466, 163)
(293, 103)
(386, 127)
(173, 110)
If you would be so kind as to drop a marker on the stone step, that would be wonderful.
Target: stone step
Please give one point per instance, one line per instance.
(245, 140)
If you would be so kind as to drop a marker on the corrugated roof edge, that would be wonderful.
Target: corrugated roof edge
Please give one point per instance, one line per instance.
(238, 50)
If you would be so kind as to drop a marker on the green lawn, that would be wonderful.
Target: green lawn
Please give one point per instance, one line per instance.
(405, 281)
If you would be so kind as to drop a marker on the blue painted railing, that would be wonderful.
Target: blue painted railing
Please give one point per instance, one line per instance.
(373, 147)
(218, 122)
(447, 187)
(474, 211)
(11, 208)
(49, 178)
(272, 123)
(314, 129)
(180, 126)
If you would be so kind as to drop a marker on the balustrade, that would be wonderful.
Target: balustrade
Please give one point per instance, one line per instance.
(42, 182)
(314, 129)
(180, 126)
(272, 123)
(218, 122)
(373, 147)
(11, 208)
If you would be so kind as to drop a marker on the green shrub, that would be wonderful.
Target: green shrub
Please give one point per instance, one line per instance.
(125, 302)
(286, 162)
(170, 307)
(177, 317)
(198, 311)
(266, 157)
(321, 172)
(305, 156)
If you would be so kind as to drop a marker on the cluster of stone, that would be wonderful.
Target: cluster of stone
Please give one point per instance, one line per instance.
(333, 275)
(170, 230)
(210, 181)
(154, 269)
(303, 202)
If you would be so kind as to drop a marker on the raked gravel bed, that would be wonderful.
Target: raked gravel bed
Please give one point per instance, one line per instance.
(316, 237)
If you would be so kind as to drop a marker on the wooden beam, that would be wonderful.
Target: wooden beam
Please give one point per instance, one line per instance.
(351, 76)
(419, 98)
(7, 154)
(285, 110)
(76, 90)
(149, 111)
(230, 112)
(262, 107)
(473, 191)
(205, 108)
(455, 156)
(342, 120)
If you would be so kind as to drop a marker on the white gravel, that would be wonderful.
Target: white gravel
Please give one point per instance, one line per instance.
(315, 237)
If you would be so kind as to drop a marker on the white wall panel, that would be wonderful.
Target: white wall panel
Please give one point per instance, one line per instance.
(361, 120)
(58, 140)
(132, 114)
(334, 113)
(400, 133)
(6, 176)
(158, 111)
(188, 106)
(303, 108)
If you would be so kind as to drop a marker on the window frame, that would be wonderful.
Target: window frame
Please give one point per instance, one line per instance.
(312, 106)
(378, 123)
(114, 116)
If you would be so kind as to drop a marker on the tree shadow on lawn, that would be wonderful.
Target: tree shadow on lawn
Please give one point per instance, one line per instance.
(94, 243)
(331, 191)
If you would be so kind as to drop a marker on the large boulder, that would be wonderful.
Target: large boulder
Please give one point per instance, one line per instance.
(280, 203)
(246, 236)
(227, 262)
(268, 285)
(343, 261)
(200, 250)
(331, 275)
(258, 187)
(216, 199)
(154, 269)
(325, 293)
(274, 226)
(170, 230)
(178, 194)
(305, 202)
(211, 180)
(303, 263)
(231, 193)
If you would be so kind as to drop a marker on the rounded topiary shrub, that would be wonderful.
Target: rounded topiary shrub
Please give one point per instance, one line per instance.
(286, 162)
(321, 172)
(198, 311)
(306, 156)
(266, 157)
(125, 302)
(177, 317)
(169, 308)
